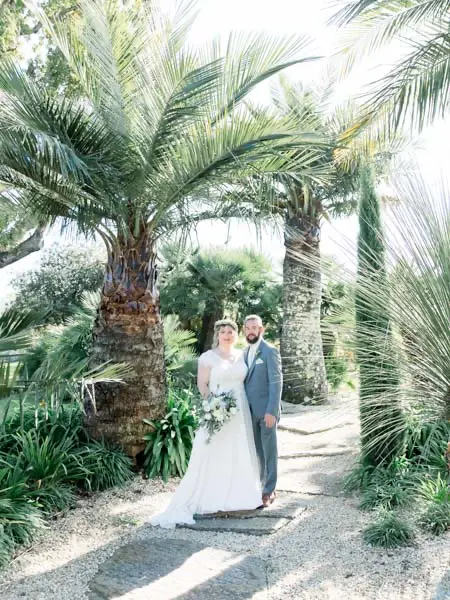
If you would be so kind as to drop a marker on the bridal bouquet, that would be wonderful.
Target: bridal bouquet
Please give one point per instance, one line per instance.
(215, 411)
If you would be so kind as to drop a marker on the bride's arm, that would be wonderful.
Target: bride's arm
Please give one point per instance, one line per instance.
(203, 374)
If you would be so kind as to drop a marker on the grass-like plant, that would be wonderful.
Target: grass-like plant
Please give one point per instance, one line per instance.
(388, 531)
(436, 518)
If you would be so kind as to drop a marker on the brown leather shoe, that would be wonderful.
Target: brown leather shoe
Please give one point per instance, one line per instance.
(268, 499)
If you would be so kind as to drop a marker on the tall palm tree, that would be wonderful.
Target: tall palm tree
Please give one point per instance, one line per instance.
(158, 124)
(301, 203)
(305, 205)
(415, 90)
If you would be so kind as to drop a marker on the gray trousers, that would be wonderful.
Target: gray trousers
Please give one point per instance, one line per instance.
(267, 451)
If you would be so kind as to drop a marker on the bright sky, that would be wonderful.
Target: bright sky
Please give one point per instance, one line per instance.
(285, 17)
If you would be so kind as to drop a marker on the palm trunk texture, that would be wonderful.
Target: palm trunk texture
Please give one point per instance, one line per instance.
(129, 329)
(304, 372)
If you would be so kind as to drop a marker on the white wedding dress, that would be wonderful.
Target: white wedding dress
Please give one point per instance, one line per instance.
(222, 475)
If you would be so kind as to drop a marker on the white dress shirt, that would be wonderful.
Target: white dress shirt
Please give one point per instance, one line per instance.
(252, 352)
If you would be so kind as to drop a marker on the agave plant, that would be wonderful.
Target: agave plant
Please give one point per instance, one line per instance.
(159, 123)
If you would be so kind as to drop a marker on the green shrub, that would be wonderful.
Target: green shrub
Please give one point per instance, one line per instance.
(436, 490)
(19, 518)
(388, 532)
(436, 517)
(107, 467)
(337, 372)
(44, 422)
(426, 444)
(359, 478)
(388, 495)
(52, 468)
(45, 457)
(169, 444)
(65, 272)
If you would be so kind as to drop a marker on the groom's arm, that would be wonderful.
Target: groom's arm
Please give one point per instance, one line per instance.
(275, 382)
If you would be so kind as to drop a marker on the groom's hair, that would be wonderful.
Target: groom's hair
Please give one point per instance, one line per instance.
(253, 318)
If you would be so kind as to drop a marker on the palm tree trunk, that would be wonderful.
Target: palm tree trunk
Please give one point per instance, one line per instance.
(209, 318)
(304, 372)
(129, 329)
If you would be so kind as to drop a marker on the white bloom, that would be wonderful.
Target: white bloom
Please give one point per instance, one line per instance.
(233, 410)
(207, 417)
(206, 407)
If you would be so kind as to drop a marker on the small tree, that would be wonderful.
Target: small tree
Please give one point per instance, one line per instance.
(58, 284)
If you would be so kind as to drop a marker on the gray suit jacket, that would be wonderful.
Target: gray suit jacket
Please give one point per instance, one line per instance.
(264, 381)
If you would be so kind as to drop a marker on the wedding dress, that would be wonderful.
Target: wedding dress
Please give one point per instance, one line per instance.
(222, 475)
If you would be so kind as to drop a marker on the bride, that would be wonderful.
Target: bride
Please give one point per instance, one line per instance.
(222, 475)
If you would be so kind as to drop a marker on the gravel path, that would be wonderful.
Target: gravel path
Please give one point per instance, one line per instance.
(319, 555)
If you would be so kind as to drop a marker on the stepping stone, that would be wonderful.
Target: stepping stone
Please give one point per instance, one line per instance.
(286, 506)
(170, 569)
(255, 526)
(253, 522)
(316, 475)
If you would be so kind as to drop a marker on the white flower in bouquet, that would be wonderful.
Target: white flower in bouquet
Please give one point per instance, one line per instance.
(215, 411)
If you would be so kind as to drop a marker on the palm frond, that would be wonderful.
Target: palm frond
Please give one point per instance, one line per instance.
(415, 93)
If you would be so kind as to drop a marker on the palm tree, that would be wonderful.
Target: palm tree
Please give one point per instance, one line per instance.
(159, 124)
(220, 283)
(415, 90)
(301, 202)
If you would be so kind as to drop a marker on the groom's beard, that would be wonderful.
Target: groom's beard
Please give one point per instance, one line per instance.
(252, 339)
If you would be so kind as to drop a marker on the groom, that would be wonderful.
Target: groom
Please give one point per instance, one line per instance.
(263, 386)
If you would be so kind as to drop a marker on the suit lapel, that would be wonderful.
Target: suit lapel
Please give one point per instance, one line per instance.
(246, 351)
(252, 366)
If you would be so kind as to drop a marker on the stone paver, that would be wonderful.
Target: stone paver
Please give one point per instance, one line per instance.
(253, 526)
(286, 506)
(185, 570)
(316, 475)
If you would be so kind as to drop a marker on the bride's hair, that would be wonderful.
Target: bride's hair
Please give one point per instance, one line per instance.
(218, 326)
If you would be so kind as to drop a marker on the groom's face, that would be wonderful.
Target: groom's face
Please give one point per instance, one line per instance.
(253, 331)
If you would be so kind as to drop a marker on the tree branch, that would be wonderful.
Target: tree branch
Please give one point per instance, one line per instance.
(32, 244)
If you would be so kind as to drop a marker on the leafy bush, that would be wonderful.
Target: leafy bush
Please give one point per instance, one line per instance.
(388, 532)
(436, 490)
(436, 517)
(65, 272)
(19, 518)
(64, 351)
(107, 467)
(427, 442)
(45, 457)
(337, 372)
(179, 356)
(169, 444)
